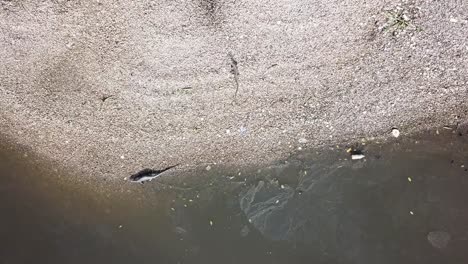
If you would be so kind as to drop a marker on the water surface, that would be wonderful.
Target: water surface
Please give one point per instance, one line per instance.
(405, 203)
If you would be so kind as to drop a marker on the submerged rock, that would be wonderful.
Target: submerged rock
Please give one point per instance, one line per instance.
(438, 239)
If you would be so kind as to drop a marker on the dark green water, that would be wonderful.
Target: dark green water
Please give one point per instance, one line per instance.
(406, 203)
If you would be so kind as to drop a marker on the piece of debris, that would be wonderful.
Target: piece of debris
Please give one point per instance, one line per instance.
(395, 132)
(357, 156)
(243, 130)
(105, 97)
(411, 212)
(211, 223)
(148, 174)
(302, 140)
(208, 168)
(409, 179)
(438, 239)
(447, 127)
(245, 231)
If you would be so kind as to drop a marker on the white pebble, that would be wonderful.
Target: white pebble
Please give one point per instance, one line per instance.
(395, 132)
(208, 167)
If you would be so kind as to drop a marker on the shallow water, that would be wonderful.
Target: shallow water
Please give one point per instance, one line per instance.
(405, 203)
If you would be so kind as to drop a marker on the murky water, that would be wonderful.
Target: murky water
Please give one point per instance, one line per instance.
(405, 203)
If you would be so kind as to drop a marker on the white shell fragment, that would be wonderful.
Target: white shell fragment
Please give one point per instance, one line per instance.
(357, 156)
(395, 132)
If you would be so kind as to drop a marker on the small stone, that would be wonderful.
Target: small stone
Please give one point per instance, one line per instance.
(453, 20)
(302, 140)
(211, 223)
(395, 132)
(438, 239)
(277, 202)
(409, 179)
(208, 168)
(122, 157)
(411, 212)
(120, 226)
(282, 186)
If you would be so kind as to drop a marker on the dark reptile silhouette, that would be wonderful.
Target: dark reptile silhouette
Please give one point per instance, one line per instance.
(148, 174)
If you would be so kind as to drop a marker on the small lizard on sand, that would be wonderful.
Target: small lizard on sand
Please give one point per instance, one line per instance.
(235, 71)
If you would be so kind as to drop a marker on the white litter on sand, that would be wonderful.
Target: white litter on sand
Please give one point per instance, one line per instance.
(357, 156)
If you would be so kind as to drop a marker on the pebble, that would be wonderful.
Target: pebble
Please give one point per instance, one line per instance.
(302, 140)
(395, 132)
(208, 167)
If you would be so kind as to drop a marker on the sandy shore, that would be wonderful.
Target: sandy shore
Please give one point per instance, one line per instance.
(109, 87)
